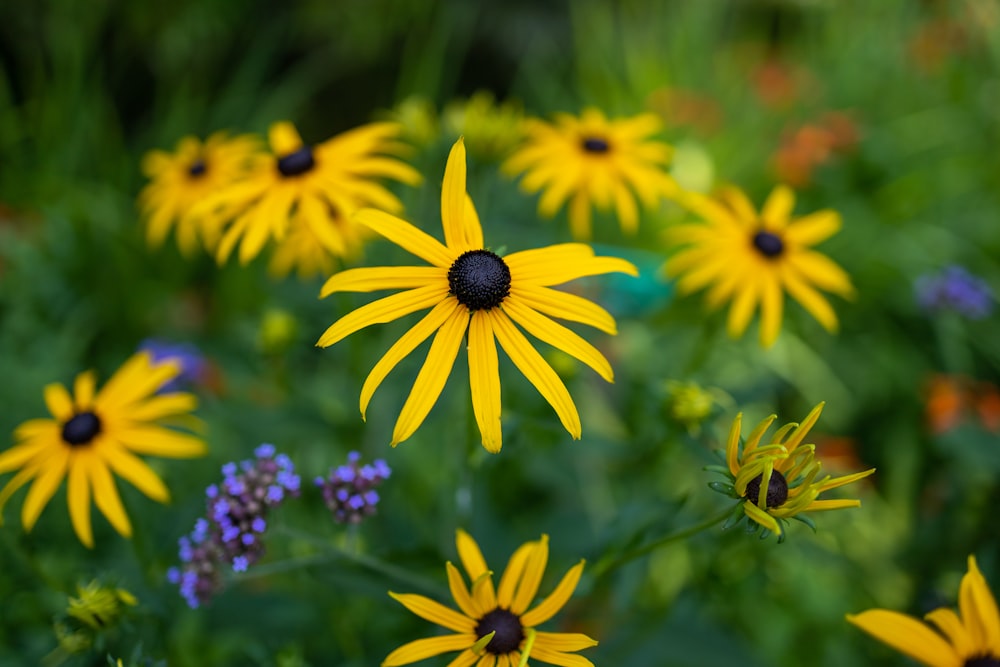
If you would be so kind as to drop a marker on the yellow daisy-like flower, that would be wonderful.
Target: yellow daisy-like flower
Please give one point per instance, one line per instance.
(494, 625)
(179, 180)
(310, 255)
(594, 161)
(472, 290)
(969, 640)
(92, 435)
(779, 480)
(308, 182)
(753, 258)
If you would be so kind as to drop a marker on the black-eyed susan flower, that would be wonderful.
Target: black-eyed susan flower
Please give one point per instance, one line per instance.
(753, 258)
(593, 161)
(179, 180)
(777, 478)
(471, 290)
(301, 184)
(968, 639)
(310, 254)
(92, 435)
(494, 626)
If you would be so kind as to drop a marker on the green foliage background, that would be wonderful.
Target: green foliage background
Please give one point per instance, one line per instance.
(87, 87)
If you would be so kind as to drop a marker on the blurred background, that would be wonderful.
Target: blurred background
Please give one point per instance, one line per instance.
(886, 112)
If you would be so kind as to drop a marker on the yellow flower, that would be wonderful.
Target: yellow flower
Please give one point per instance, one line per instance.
(472, 290)
(307, 183)
(181, 179)
(961, 641)
(495, 627)
(93, 435)
(779, 480)
(754, 258)
(593, 161)
(310, 254)
(490, 129)
(99, 606)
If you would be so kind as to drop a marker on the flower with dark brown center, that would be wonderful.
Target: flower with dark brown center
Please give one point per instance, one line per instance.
(81, 428)
(777, 490)
(768, 244)
(508, 628)
(479, 279)
(297, 163)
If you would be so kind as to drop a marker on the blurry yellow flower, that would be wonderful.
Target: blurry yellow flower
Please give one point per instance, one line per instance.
(99, 606)
(309, 254)
(472, 291)
(92, 435)
(278, 329)
(753, 258)
(969, 640)
(593, 161)
(308, 184)
(495, 626)
(490, 129)
(181, 179)
(691, 404)
(417, 118)
(778, 480)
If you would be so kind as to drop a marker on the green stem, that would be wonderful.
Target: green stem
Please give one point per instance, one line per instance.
(609, 565)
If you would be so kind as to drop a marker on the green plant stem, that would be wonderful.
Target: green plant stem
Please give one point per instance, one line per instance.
(607, 566)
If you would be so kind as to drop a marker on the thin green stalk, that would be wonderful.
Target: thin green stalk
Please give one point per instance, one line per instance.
(607, 566)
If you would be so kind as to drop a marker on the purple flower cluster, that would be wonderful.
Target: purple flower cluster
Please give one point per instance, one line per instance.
(237, 519)
(194, 368)
(349, 490)
(955, 289)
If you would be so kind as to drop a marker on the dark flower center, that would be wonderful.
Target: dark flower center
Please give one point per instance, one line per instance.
(509, 631)
(777, 490)
(982, 661)
(596, 145)
(81, 428)
(479, 279)
(769, 244)
(197, 168)
(297, 163)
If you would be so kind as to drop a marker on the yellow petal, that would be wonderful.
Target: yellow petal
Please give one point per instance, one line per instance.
(162, 406)
(558, 658)
(823, 272)
(83, 390)
(475, 566)
(473, 228)
(17, 456)
(135, 471)
(460, 593)
(107, 499)
(562, 272)
(435, 612)
(563, 641)
(433, 374)
(762, 517)
(908, 636)
(384, 310)
(379, 278)
(626, 209)
(484, 381)
(948, 622)
(979, 610)
(78, 496)
(813, 228)
(778, 208)
(406, 236)
(810, 299)
(427, 648)
(58, 401)
(23, 476)
(742, 309)
(733, 445)
(771, 304)
(512, 574)
(453, 200)
(535, 263)
(558, 336)
(555, 601)
(527, 587)
(798, 435)
(579, 216)
(283, 138)
(136, 379)
(563, 306)
(408, 342)
(44, 486)
(538, 371)
(158, 441)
